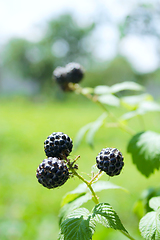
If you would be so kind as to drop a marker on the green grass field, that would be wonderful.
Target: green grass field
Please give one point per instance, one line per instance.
(28, 211)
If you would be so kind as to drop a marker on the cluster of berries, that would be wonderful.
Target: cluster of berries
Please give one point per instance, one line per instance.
(53, 171)
(71, 73)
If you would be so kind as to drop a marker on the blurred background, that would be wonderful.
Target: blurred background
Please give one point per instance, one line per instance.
(115, 41)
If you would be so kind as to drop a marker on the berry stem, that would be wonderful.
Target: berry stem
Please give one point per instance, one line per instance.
(94, 198)
(92, 180)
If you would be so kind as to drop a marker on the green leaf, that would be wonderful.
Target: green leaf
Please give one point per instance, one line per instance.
(71, 197)
(144, 107)
(60, 236)
(138, 209)
(102, 89)
(126, 86)
(67, 208)
(129, 115)
(78, 225)
(82, 188)
(76, 193)
(147, 106)
(154, 203)
(81, 134)
(104, 185)
(145, 150)
(109, 99)
(104, 214)
(94, 128)
(132, 102)
(87, 90)
(149, 225)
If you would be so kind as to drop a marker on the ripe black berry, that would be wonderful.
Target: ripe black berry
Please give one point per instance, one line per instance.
(52, 172)
(74, 72)
(60, 76)
(110, 160)
(71, 73)
(58, 145)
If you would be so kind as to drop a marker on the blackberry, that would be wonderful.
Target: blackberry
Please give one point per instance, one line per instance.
(58, 145)
(60, 76)
(52, 172)
(110, 160)
(74, 72)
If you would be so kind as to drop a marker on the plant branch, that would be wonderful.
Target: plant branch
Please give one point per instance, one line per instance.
(93, 98)
(141, 120)
(95, 198)
(97, 175)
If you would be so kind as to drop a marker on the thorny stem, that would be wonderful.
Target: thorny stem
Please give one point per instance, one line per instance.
(93, 98)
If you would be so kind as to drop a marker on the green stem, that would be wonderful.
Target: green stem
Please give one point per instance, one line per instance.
(92, 180)
(95, 198)
(127, 235)
(119, 124)
(141, 120)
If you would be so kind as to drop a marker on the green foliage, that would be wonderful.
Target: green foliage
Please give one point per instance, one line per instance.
(141, 108)
(78, 225)
(81, 195)
(104, 214)
(94, 128)
(150, 224)
(104, 185)
(118, 88)
(145, 150)
(109, 99)
(154, 203)
(106, 92)
(91, 129)
(132, 102)
(142, 205)
(82, 189)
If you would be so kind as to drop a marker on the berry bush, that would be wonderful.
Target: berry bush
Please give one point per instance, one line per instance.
(77, 222)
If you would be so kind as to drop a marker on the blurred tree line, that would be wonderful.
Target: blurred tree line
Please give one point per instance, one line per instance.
(64, 41)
